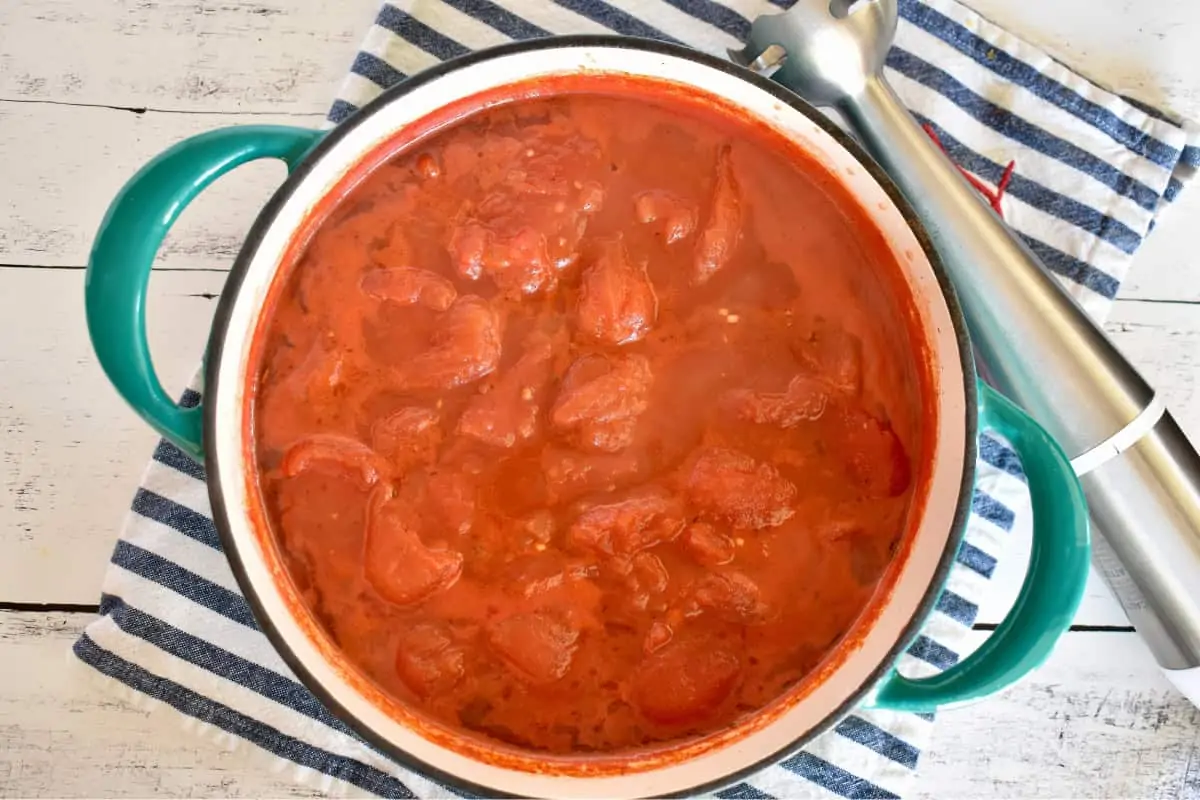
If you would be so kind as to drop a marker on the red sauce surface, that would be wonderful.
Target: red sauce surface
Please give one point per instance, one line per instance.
(586, 424)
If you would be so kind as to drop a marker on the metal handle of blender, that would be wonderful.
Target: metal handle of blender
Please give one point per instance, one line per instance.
(1140, 473)
(1039, 347)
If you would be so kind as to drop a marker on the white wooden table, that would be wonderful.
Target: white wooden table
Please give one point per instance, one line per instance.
(90, 90)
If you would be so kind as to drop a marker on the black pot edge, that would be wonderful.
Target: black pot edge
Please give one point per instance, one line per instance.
(266, 217)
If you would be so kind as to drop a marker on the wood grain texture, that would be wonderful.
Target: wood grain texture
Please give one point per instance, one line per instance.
(64, 735)
(71, 451)
(1143, 51)
(57, 186)
(58, 183)
(1098, 607)
(1163, 340)
(1097, 720)
(211, 56)
(279, 56)
(1140, 50)
(1168, 263)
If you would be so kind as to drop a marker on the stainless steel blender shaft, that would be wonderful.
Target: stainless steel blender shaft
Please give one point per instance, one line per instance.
(1140, 474)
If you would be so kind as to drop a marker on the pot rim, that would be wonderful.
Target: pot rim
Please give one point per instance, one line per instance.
(217, 472)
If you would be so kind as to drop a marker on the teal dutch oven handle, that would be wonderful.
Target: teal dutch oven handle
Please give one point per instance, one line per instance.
(118, 271)
(1058, 569)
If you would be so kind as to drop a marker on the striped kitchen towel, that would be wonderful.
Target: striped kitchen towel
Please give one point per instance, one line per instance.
(1092, 171)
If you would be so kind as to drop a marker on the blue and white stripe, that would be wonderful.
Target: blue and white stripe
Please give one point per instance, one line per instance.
(1092, 171)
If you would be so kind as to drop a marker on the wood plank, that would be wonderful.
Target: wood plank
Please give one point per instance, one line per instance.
(71, 451)
(1163, 340)
(62, 734)
(272, 55)
(1098, 606)
(1097, 720)
(58, 182)
(58, 185)
(182, 55)
(1141, 50)
(1168, 263)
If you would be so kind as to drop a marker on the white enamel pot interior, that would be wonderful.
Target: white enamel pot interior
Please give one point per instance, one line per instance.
(868, 652)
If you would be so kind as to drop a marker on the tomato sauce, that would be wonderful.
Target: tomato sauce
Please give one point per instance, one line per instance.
(586, 423)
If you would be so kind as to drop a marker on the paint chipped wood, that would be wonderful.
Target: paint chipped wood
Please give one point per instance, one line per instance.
(61, 735)
(1097, 720)
(58, 183)
(210, 56)
(130, 78)
(71, 451)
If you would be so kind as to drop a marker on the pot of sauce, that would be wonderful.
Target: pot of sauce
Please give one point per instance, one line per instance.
(588, 417)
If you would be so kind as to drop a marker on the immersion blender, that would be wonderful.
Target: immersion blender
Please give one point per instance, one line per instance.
(1139, 472)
